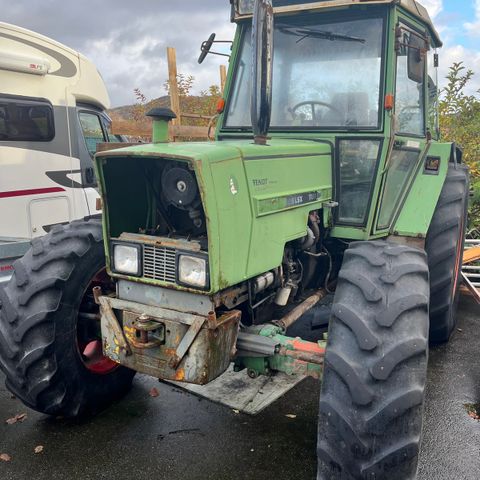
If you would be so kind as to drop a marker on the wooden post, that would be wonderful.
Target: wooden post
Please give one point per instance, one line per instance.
(223, 77)
(173, 84)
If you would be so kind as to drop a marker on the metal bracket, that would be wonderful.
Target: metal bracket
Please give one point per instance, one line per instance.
(112, 322)
(145, 325)
(186, 342)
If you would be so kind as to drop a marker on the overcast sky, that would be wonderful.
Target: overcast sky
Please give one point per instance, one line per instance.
(127, 39)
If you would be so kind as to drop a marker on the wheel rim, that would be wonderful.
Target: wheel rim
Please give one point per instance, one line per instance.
(89, 341)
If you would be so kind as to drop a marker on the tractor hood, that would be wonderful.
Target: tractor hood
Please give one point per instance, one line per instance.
(252, 199)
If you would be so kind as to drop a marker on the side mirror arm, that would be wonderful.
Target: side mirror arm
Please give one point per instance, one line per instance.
(207, 45)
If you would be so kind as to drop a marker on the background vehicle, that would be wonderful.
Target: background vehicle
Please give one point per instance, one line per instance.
(332, 179)
(52, 115)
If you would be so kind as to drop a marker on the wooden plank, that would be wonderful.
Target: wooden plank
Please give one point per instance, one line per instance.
(105, 147)
(176, 131)
(471, 255)
(131, 128)
(223, 77)
(238, 391)
(189, 131)
(197, 116)
(173, 84)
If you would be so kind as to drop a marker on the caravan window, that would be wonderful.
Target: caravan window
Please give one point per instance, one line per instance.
(26, 120)
(92, 131)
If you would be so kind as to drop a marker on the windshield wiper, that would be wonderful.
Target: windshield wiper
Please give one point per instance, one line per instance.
(307, 33)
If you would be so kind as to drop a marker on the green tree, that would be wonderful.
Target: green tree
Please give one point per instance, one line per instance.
(460, 115)
(460, 123)
(204, 105)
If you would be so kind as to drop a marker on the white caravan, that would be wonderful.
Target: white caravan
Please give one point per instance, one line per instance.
(52, 115)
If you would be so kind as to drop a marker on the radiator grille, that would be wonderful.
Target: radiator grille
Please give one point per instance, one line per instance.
(159, 263)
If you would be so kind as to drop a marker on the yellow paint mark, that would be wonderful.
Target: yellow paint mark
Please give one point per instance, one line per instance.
(130, 333)
(180, 375)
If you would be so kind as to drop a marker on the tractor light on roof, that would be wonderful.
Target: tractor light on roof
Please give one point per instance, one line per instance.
(246, 7)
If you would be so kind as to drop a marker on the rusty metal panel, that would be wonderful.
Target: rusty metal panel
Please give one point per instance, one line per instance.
(165, 297)
(205, 358)
(163, 313)
(186, 342)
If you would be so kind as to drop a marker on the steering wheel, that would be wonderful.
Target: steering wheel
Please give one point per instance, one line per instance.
(312, 104)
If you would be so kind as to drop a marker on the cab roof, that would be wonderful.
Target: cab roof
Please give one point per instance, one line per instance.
(420, 11)
(412, 6)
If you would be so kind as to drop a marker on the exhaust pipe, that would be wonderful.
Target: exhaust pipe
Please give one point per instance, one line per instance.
(262, 70)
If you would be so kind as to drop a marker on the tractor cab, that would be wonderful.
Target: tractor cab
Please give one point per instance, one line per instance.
(353, 74)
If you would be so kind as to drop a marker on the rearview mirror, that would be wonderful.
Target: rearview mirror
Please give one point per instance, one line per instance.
(206, 47)
(417, 51)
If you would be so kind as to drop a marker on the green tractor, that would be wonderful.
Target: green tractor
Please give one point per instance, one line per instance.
(326, 175)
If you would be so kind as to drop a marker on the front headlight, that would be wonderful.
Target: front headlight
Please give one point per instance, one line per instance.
(126, 259)
(193, 271)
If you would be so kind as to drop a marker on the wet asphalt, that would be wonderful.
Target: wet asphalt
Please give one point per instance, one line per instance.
(179, 436)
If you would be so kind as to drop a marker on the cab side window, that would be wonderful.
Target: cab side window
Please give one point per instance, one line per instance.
(410, 102)
(92, 131)
(26, 121)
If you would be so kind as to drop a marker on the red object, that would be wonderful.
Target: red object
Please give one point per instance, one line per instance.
(389, 101)
(308, 347)
(93, 359)
(221, 105)
(33, 191)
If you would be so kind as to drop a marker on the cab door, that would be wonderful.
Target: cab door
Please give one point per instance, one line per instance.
(410, 142)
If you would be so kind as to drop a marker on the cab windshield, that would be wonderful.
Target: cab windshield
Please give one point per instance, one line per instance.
(327, 74)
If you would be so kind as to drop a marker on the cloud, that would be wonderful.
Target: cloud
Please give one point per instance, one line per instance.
(473, 28)
(127, 40)
(470, 59)
(449, 23)
(434, 7)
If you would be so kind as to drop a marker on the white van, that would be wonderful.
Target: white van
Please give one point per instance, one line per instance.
(52, 115)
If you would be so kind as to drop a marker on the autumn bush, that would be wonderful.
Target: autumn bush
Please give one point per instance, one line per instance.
(460, 123)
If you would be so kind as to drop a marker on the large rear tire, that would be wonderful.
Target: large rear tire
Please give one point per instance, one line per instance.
(444, 245)
(50, 354)
(371, 401)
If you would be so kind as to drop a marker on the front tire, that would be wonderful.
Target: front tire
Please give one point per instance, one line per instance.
(50, 354)
(371, 401)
